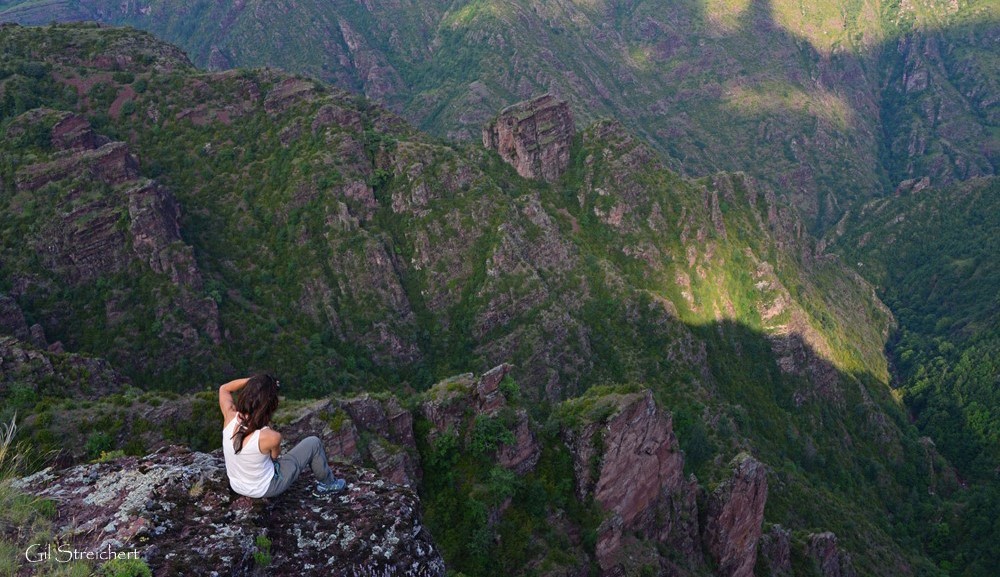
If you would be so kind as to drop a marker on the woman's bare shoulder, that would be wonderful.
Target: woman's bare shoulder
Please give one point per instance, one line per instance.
(268, 438)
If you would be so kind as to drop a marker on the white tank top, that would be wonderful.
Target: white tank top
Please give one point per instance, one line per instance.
(250, 471)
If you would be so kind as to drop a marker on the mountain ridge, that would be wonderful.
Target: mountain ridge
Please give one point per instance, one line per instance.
(832, 103)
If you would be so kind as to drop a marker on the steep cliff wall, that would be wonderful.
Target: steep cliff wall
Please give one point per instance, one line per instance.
(533, 136)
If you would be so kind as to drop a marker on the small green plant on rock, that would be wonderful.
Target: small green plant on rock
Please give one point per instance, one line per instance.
(107, 456)
(262, 556)
(126, 568)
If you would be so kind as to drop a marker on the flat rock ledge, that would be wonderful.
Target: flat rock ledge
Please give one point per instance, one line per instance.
(176, 509)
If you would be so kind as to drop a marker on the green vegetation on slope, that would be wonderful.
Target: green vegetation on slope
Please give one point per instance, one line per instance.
(832, 102)
(346, 251)
(933, 255)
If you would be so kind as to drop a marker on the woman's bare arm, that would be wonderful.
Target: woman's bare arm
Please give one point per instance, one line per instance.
(226, 404)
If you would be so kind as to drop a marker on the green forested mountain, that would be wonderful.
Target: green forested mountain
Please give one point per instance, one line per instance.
(189, 225)
(933, 256)
(829, 102)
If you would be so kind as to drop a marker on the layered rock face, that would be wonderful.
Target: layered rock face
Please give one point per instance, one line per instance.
(109, 218)
(533, 136)
(638, 478)
(735, 513)
(176, 509)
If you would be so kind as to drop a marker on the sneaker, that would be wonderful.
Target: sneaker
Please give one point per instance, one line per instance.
(330, 486)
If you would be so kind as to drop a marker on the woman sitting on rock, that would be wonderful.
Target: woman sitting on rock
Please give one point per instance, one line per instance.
(252, 449)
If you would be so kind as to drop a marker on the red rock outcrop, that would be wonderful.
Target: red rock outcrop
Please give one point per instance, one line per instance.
(386, 418)
(734, 518)
(639, 477)
(332, 115)
(533, 136)
(156, 234)
(488, 395)
(288, 93)
(394, 451)
(109, 163)
(363, 430)
(98, 232)
(447, 409)
(75, 132)
(53, 372)
(829, 558)
(775, 550)
(445, 406)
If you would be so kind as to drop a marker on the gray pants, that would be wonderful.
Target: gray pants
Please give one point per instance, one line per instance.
(308, 453)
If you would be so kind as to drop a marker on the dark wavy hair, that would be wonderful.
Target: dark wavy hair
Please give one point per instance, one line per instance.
(255, 403)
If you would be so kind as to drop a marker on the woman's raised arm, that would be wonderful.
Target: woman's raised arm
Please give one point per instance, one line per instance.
(226, 404)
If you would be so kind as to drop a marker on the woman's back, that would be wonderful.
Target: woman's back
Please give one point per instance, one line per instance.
(249, 471)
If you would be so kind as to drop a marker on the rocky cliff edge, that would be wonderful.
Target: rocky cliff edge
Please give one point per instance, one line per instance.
(176, 509)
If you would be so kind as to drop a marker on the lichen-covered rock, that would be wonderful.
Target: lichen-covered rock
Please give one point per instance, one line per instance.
(533, 136)
(735, 514)
(176, 509)
(373, 528)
